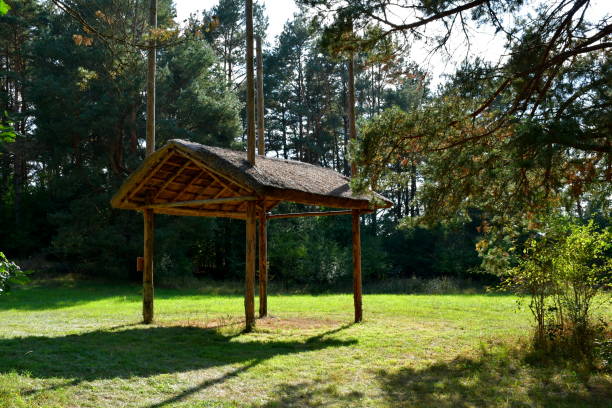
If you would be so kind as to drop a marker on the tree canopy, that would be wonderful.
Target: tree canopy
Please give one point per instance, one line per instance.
(494, 146)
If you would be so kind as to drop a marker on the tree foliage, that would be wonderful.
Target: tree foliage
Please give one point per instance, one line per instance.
(10, 274)
(73, 92)
(532, 130)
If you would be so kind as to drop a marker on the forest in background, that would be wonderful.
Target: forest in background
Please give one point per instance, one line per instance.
(77, 104)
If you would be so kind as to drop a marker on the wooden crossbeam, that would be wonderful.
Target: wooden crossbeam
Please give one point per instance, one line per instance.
(201, 202)
(221, 192)
(312, 214)
(200, 213)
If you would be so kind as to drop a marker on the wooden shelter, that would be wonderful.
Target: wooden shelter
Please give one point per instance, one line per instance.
(186, 178)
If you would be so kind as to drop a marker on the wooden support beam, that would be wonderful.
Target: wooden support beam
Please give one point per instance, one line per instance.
(189, 184)
(302, 197)
(171, 179)
(249, 278)
(221, 192)
(148, 216)
(189, 212)
(215, 175)
(263, 265)
(151, 174)
(357, 266)
(313, 214)
(198, 203)
(147, 276)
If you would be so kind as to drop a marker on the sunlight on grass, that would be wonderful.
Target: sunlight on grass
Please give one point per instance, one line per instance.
(83, 345)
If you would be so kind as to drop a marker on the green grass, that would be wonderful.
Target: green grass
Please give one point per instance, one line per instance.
(77, 344)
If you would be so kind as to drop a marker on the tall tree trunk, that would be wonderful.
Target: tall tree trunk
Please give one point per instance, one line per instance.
(19, 179)
(133, 130)
(414, 211)
(284, 125)
(345, 123)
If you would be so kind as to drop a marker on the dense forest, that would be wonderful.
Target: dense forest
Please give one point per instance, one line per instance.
(471, 164)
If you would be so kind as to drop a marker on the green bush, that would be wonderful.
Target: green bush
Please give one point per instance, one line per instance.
(564, 269)
(10, 274)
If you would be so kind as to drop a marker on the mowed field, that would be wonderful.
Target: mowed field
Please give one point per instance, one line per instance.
(71, 344)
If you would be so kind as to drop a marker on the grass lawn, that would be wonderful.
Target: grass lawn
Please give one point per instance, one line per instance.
(81, 345)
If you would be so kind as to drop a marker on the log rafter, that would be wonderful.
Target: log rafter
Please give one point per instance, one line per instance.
(198, 203)
(171, 179)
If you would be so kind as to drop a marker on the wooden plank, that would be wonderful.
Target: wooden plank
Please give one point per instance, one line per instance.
(146, 179)
(171, 179)
(357, 266)
(147, 276)
(224, 184)
(263, 265)
(271, 204)
(249, 277)
(303, 197)
(198, 203)
(311, 214)
(192, 212)
(220, 193)
(215, 175)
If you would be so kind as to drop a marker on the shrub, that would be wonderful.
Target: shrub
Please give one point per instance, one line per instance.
(10, 274)
(564, 269)
(441, 286)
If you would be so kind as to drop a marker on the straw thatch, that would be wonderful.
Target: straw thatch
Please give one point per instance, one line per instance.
(185, 172)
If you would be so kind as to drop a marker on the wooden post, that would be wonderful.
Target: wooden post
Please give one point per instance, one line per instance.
(357, 266)
(147, 276)
(249, 83)
(263, 264)
(356, 219)
(149, 220)
(249, 278)
(261, 148)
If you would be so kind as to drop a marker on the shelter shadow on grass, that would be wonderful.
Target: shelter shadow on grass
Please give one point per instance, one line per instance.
(142, 352)
(492, 379)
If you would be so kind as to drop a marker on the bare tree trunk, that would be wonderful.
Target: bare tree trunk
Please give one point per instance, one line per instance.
(250, 84)
(414, 211)
(261, 147)
(351, 107)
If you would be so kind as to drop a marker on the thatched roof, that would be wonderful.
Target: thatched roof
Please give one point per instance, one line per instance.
(186, 171)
